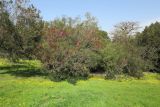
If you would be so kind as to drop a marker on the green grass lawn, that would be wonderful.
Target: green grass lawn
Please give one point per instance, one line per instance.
(19, 88)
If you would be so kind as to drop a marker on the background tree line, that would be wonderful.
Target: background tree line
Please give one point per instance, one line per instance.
(72, 48)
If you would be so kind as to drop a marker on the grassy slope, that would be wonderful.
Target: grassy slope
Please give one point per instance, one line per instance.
(35, 91)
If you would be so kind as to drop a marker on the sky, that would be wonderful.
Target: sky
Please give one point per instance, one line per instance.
(107, 12)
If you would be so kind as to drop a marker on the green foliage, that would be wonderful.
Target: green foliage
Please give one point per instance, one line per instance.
(110, 60)
(29, 26)
(20, 29)
(94, 62)
(70, 47)
(19, 89)
(72, 67)
(149, 40)
(122, 56)
(103, 34)
(9, 39)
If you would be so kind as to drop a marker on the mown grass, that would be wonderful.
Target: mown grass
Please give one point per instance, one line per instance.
(35, 90)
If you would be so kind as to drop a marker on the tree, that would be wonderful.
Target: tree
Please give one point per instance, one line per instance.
(29, 26)
(22, 25)
(149, 41)
(10, 41)
(103, 34)
(127, 58)
(125, 30)
(70, 47)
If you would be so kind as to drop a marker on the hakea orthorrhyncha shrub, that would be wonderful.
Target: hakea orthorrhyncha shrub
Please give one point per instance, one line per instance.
(67, 50)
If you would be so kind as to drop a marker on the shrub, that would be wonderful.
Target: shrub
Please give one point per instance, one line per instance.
(110, 71)
(133, 68)
(117, 59)
(70, 48)
(111, 60)
(72, 67)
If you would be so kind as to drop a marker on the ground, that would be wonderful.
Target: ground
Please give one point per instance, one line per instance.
(21, 85)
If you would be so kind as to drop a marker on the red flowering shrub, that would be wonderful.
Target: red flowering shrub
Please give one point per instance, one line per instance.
(68, 48)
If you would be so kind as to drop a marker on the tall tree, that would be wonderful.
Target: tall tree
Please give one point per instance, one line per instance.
(70, 47)
(149, 40)
(124, 37)
(124, 31)
(29, 26)
(10, 41)
(26, 24)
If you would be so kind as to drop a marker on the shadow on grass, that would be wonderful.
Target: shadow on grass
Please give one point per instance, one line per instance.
(21, 70)
(24, 70)
(71, 80)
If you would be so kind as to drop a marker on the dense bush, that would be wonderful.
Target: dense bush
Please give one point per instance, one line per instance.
(20, 29)
(110, 59)
(70, 48)
(118, 60)
(73, 67)
(149, 41)
(73, 49)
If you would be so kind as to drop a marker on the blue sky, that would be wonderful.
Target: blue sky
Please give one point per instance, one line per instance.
(107, 12)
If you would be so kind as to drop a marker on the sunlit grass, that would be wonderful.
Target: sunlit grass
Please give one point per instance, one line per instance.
(39, 91)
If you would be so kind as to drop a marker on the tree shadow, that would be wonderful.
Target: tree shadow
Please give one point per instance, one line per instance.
(24, 70)
(71, 80)
(21, 70)
(74, 81)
